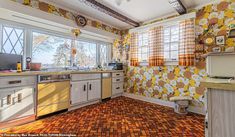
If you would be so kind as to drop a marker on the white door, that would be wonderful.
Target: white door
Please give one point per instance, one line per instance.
(94, 90)
(16, 103)
(24, 102)
(79, 92)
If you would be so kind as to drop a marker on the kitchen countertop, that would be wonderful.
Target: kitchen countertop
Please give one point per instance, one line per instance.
(223, 84)
(34, 73)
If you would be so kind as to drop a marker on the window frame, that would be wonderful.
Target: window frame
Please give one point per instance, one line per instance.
(143, 62)
(170, 61)
(28, 39)
(49, 34)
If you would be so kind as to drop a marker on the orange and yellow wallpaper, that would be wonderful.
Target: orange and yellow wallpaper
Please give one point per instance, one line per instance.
(167, 81)
(37, 4)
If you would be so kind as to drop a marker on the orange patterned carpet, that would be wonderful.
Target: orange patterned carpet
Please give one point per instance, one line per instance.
(119, 117)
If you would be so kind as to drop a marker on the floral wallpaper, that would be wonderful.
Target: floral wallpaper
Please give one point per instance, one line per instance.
(214, 19)
(66, 14)
(167, 81)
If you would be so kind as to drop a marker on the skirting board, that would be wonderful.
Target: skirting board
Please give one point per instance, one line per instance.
(197, 110)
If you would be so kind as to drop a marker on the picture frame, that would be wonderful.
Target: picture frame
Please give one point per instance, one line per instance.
(220, 40)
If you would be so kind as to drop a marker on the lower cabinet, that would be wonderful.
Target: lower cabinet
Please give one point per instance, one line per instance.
(79, 92)
(16, 103)
(84, 90)
(94, 90)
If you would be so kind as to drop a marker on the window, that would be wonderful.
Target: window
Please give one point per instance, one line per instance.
(104, 55)
(171, 43)
(143, 47)
(51, 51)
(12, 40)
(86, 54)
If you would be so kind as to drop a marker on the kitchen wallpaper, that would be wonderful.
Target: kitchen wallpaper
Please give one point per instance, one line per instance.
(66, 14)
(167, 81)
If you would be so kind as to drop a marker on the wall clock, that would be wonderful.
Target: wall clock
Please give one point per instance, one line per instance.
(81, 21)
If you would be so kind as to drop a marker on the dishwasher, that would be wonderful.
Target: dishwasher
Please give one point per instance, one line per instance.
(106, 86)
(53, 94)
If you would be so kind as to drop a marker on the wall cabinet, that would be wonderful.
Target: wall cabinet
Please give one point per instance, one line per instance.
(85, 88)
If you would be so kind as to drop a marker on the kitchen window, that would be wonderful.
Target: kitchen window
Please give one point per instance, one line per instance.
(171, 43)
(86, 56)
(104, 50)
(51, 51)
(143, 47)
(12, 40)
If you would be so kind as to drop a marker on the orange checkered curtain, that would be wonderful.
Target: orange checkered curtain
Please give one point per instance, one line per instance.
(187, 43)
(134, 50)
(156, 47)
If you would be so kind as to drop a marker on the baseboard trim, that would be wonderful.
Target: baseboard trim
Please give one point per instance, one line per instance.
(197, 110)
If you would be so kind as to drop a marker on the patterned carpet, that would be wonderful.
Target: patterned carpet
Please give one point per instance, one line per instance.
(119, 117)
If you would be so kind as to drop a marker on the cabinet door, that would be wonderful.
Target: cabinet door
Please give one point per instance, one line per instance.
(94, 90)
(79, 92)
(24, 102)
(16, 103)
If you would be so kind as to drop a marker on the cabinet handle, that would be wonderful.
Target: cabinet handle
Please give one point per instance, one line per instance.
(84, 88)
(117, 87)
(90, 86)
(8, 99)
(19, 97)
(15, 82)
(117, 79)
(117, 74)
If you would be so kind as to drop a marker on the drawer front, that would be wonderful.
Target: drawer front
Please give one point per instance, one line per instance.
(79, 77)
(44, 110)
(118, 74)
(6, 82)
(117, 79)
(117, 88)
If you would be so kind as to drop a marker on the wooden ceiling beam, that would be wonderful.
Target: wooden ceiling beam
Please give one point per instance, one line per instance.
(98, 6)
(178, 6)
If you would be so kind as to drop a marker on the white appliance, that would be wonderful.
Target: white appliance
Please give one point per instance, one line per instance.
(221, 65)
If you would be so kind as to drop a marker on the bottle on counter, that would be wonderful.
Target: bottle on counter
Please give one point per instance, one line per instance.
(19, 67)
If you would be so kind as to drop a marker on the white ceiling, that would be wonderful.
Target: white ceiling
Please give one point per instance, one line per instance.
(137, 10)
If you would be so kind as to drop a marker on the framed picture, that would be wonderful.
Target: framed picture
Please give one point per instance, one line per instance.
(220, 40)
(216, 49)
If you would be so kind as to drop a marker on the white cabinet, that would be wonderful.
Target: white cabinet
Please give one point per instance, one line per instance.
(79, 92)
(16, 103)
(85, 88)
(117, 83)
(94, 90)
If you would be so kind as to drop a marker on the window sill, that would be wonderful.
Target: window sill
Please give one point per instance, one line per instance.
(171, 63)
(167, 63)
(144, 63)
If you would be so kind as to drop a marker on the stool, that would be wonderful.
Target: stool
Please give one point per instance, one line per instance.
(181, 104)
